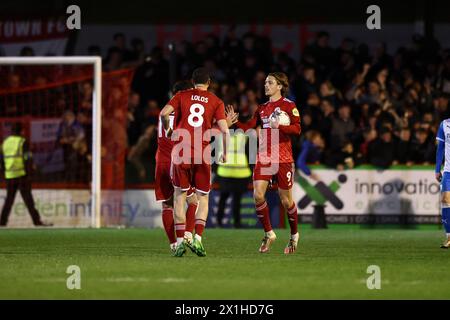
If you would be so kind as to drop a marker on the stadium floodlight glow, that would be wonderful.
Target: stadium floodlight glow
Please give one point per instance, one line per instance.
(96, 114)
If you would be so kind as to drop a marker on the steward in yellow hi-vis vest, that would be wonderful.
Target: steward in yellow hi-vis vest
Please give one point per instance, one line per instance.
(15, 158)
(233, 176)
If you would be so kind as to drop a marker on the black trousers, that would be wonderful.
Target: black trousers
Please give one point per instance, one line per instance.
(236, 188)
(23, 184)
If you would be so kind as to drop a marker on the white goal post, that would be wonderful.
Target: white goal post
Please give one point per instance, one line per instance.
(96, 116)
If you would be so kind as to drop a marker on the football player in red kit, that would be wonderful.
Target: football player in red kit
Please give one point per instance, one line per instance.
(195, 112)
(163, 181)
(274, 158)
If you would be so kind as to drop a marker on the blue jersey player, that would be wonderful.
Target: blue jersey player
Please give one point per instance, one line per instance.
(443, 149)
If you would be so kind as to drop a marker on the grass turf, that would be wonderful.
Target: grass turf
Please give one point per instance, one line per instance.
(136, 264)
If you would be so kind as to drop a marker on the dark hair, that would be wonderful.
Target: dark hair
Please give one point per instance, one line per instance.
(312, 134)
(182, 85)
(422, 130)
(16, 128)
(200, 76)
(283, 80)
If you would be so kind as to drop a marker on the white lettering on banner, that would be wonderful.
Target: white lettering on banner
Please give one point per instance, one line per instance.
(30, 29)
(377, 192)
(22, 28)
(47, 35)
(36, 28)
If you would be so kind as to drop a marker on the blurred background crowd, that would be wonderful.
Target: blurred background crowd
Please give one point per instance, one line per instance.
(358, 103)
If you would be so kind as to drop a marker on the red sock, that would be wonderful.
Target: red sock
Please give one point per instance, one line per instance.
(293, 218)
(262, 211)
(199, 226)
(169, 226)
(179, 229)
(190, 217)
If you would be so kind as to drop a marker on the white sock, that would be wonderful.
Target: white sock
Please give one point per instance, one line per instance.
(188, 235)
(179, 241)
(270, 234)
(199, 238)
(294, 236)
(173, 245)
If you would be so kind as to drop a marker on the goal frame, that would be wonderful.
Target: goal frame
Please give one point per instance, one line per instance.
(96, 61)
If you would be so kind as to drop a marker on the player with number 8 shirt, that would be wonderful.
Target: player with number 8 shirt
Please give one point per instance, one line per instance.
(195, 112)
(277, 120)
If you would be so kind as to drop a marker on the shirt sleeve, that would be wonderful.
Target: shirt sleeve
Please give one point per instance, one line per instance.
(439, 155)
(175, 102)
(256, 119)
(301, 160)
(220, 112)
(440, 134)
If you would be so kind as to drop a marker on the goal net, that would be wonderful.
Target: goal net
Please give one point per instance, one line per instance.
(74, 119)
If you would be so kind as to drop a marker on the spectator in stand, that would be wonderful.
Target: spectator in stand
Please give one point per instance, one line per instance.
(120, 43)
(312, 151)
(305, 84)
(71, 137)
(342, 127)
(369, 135)
(114, 59)
(422, 149)
(382, 150)
(322, 53)
(403, 149)
(154, 73)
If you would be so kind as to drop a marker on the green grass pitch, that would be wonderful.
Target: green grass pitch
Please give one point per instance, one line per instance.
(137, 264)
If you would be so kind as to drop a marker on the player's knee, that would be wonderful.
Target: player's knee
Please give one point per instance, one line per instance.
(192, 199)
(202, 197)
(286, 202)
(258, 196)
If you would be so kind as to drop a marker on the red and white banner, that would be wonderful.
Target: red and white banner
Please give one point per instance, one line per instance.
(46, 36)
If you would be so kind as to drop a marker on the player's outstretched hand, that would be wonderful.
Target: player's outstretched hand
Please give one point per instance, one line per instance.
(438, 176)
(232, 117)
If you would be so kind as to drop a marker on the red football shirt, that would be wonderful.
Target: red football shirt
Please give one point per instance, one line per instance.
(165, 145)
(268, 144)
(195, 112)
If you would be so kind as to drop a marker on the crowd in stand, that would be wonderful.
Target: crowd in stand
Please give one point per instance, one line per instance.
(357, 105)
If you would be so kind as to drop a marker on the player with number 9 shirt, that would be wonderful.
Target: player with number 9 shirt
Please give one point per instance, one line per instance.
(274, 158)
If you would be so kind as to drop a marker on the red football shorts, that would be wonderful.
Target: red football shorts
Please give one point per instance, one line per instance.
(163, 182)
(282, 172)
(197, 176)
